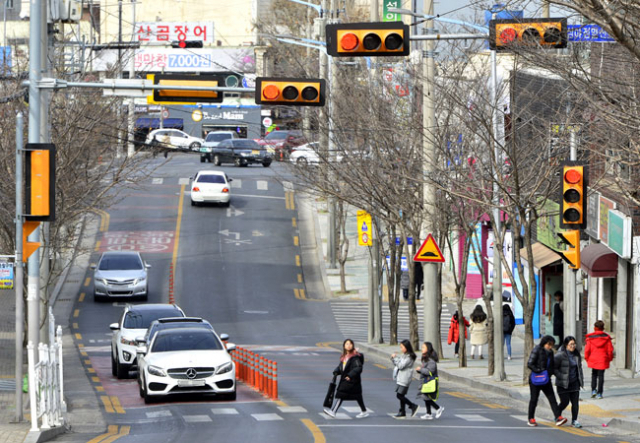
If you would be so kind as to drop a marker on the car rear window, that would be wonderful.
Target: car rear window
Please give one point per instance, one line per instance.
(276, 135)
(188, 340)
(164, 326)
(211, 178)
(217, 137)
(142, 319)
(120, 263)
(246, 144)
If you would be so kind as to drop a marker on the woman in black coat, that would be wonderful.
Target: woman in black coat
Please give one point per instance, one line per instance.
(350, 385)
(540, 360)
(508, 325)
(569, 378)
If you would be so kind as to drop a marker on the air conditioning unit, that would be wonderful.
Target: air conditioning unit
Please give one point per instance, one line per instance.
(68, 11)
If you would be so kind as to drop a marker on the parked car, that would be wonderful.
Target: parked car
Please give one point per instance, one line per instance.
(211, 141)
(306, 154)
(174, 139)
(120, 274)
(241, 152)
(186, 361)
(210, 187)
(133, 324)
(282, 142)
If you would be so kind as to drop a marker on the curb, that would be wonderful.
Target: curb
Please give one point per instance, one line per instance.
(63, 276)
(626, 425)
(44, 434)
(311, 247)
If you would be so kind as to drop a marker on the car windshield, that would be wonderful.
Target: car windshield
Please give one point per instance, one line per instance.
(142, 319)
(120, 263)
(210, 178)
(246, 144)
(164, 326)
(217, 137)
(277, 135)
(188, 340)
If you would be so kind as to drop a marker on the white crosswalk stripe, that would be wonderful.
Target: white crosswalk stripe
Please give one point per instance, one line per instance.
(291, 409)
(473, 417)
(355, 409)
(262, 185)
(183, 181)
(339, 416)
(267, 417)
(224, 411)
(196, 418)
(236, 183)
(352, 319)
(521, 417)
(157, 180)
(158, 414)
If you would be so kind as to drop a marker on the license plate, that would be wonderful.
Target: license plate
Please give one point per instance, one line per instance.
(255, 152)
(190, 383)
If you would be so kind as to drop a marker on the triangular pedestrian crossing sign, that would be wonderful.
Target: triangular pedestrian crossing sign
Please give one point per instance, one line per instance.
(429, 252)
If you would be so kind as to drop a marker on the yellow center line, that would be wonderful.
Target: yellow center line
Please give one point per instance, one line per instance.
(81, 298)
(296, 240)
(124, 430)
(99, 389)
(294, 222)
(78, 336)
(115, 401)
(377, 365)
(303, 296)
(95, 379)
(571, 430)
(87, 281)
(106, 401)
(296, 292)
(174, 258)
(299, 278)
(297, 260)
(91, 370)
(111, 430)
(280, 403)
(293, 201)
(97, 248)
(76, 313)
(87, 362)
(75, 326)
(318, 436)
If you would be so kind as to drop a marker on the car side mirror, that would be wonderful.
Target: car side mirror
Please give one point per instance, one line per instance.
(230, 180)
(93, 266)
(114, 326)
(231, 347)
(140, 341)
(224, 337)
(147, 265)
(141, 350)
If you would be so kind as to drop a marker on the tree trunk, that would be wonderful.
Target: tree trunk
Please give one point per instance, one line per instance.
(342, 243)
(462, 352)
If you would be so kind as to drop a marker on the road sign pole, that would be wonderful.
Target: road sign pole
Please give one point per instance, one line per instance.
(19, 267)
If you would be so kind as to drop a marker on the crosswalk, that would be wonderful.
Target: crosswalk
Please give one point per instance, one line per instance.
(7, 384)
(352, 319)
(236, 183)
(283, 411)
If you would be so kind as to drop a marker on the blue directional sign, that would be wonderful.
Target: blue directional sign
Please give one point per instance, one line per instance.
(5, 59)
(588, 33)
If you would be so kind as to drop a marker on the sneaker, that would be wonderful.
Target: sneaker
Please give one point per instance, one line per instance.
(426, 417)
(414, 410)
(508, 357)
(481, 357)
(532, 422)
(400, 414)
(330, 412)
(473, 357)
(439, 412)
(594, 393)
(456, 355)
(363, 414)
(560, 421)
(576, 424)
(599, 397)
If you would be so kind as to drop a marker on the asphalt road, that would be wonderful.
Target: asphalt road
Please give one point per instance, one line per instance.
(240, 269)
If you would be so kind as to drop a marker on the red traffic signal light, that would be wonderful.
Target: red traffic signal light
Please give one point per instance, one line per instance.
(573, 198)
(291, 91)
(533, 32)
(384, 39)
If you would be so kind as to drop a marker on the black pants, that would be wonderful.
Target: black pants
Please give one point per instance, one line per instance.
(359, 399)
(597, 380)
(535, 394)
(574, 398)
(429, 403)
(457, 347)
(418, 290)
(404, 401)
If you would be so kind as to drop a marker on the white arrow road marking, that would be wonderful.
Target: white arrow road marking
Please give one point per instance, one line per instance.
(227, 233)
(237, 242)
(157, 181)
(233, 212)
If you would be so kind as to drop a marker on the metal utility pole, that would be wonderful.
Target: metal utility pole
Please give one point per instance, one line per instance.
(545, 9)
(431, 321)
(331, 238)
(131, 149)
(120, 148)
(570, 280)
(19, 266)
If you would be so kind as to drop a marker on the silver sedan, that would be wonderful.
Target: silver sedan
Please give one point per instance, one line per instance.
(121, 274)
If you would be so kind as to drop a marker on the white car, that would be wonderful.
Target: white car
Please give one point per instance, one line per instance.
(186, 361)
(133, 324)
(306, 154)
(210, 187)
(174, 139)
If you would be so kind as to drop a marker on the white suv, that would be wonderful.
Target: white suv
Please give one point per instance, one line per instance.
(174, 139)
(133, 324)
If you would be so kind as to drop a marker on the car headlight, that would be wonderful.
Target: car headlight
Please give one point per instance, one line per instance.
(102, 280)
(139, 280)
(126, 341)
(227, 367)
(158, 372)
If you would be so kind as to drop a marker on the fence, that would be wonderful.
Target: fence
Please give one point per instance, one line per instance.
(46, 387)
(256, 371)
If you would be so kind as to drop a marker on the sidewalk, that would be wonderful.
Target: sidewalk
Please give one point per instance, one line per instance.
(620, 408)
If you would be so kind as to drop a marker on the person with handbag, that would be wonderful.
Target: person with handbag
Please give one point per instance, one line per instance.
(350, 385)
(430, 388)
(402, 374)
(569, 378)
(541, 364)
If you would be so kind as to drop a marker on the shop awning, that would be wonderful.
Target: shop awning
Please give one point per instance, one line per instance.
(542, 255)
(599, 261)
(154, 123)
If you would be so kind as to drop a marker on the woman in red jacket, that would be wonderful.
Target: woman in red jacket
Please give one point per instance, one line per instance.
(454, 331)
(598, 353)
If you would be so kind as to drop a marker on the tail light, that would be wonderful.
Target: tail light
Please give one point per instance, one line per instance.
(195, 189)
(225, 190)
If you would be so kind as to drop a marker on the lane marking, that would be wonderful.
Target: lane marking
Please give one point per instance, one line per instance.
(158, 414)
(236, 183)
(115, 401)
(183, 181)
(87, 362)
(76, 313)
(570, 430)
(111, 430)
(476, 400)
(87, 281)
(259, 196)
(294, 222)
(280, 403)
(318, 436)
(299, 278)
(84, 353)
(303, 296)
(157, 180)
(176, 243)
(124, 430)
(95, 379)
(472, 417)
(262, 185)
(224, 411)
(267, 417)
(78, 336)
(99, 389)
(91, 370)
(81, 298)
(297, 260)
(196, 418)
(296, 240)
(356, 425)
(106, 401)
(296, 292)
(75, 326)
(378, 365)
(97, 248)
(292, 409)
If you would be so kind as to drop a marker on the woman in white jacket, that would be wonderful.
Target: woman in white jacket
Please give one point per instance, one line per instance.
(403, 374)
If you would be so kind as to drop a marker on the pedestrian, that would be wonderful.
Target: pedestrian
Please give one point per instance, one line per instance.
(508, 325)
(403, 373)
(429, 371)
(454, 331)
(569, 378)
(418, 279)
(479, 331)
(404, 284)
(558, 317)
(541, 365)
(598, 353)
(350, 385)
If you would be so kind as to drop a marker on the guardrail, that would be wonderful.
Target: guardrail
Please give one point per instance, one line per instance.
(46, 386)
(256, 371)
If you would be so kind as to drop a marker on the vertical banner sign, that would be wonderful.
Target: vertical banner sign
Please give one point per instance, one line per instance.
(6, 275)
(391, 16)
(364, 228)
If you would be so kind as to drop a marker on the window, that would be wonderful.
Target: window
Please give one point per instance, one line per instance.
(116, 262)
(186, 341)
(277, 135)
(618, 163)
(217, 137)
(211, 178)
(142, 319)
(246, 144)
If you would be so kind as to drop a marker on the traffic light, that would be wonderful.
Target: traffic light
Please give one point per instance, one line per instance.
(384, 39)
(574, 200)
(40, 180)
(291, 91)
(509, 34)
(572, 254)
(28, 247)
(185, 96)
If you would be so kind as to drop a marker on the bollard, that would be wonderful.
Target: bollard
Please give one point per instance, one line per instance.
(249, 368)
(270, 379)
(241, 361)
(261, 371)
(275, 380)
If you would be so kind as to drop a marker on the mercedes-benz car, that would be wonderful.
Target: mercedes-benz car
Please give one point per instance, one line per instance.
(186, 361)
(120, 274)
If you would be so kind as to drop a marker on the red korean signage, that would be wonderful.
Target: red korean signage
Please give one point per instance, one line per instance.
(153, 32)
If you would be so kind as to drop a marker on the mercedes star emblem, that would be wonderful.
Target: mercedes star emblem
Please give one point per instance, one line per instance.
(191, 373)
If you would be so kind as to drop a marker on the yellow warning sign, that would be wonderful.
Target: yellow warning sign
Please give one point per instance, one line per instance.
(364, 228)
(429, 252)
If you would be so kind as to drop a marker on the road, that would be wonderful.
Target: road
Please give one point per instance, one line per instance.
(240, 269)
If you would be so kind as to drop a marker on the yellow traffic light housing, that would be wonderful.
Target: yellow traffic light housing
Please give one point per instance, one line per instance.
(40, 180)
(574, 201)
(291, 91)
(384, 39)
(505, 35)
(185, 96)
(572, 254)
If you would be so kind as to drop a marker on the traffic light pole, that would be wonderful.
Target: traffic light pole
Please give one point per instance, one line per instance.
(131, 148)
(19, 266)
(570, 290)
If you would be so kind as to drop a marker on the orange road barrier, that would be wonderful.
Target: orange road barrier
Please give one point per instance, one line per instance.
(257, 371)
(275, 380)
